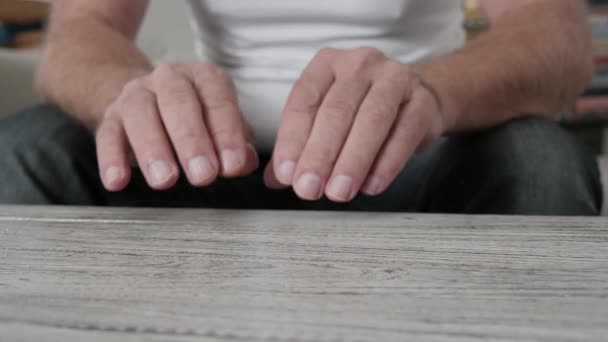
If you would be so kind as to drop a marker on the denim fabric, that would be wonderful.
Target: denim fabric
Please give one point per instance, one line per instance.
(528, 166)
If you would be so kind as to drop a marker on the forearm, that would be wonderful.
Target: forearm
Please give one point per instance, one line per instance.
(533, 61)
(85, 65)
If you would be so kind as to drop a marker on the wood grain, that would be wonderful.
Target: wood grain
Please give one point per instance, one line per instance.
(89, 274)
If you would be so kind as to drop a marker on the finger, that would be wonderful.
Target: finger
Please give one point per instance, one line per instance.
(405, 138)
(182, 115)
(148, 140)
(224, 120)
(330, 130)
(112, 157)
(270, 179)
(299, 114)
(370, 130)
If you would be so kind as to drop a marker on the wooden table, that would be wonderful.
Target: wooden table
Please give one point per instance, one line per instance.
(194, 275)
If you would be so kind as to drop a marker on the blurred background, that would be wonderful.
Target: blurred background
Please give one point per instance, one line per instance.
(166, 35)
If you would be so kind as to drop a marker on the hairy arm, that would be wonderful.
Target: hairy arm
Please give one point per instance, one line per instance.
(90, 55)
(534, 60)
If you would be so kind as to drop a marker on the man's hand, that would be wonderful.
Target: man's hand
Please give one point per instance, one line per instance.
(186, 110)
(351, 123)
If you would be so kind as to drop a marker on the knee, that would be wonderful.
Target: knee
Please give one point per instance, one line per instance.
(43, 123)
(39, 150)
(529, 167)
(43, 130)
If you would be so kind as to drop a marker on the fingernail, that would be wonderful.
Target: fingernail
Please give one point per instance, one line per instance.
(252, 148)
(373, 187)
(201, 169)
(340, 188)
(231, 161)
(160, 171)
(254, 152)
(114, 175)
(285, 172)
(308, 186)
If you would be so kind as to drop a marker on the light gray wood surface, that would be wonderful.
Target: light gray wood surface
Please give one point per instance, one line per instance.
(194, 275)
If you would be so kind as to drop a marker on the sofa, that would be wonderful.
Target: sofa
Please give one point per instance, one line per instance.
(166, 35)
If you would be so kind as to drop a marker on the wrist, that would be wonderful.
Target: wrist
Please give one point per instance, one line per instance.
(440, 102)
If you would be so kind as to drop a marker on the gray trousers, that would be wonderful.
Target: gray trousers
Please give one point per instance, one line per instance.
(527, 166)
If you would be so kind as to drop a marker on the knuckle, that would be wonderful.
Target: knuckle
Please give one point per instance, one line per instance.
(187, 134)
(208, 67)
(178, 90)
(222, 105)
(206, 70)
(432, 129)
(119, 107)
(136, 97)
(405, 123)
(381, 114)
(165, 68)
(290, 142)
(165, 74)
(113, 111)
(307, 98)
(145, 148)
(367, 55)
(134, 85)
(319, 160)
(428, 141)
(396, 69)
(291, 137)
(412, 128)
(188, 140)
(340, 109)
(149, 147)
(327, 52)
(389, 168)
(103, 131)
(227, 134)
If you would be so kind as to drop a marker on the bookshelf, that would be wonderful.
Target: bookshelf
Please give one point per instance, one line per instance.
(594, 103)
(475, 19)
(21, 23)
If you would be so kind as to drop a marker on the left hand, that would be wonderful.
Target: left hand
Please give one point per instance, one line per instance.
(351, 123)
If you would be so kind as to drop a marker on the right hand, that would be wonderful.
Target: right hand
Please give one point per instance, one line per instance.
(189, 111)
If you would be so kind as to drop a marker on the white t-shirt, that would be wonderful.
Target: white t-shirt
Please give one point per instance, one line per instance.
(265, 44)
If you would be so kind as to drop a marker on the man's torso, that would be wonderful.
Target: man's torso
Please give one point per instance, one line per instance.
(265, 44)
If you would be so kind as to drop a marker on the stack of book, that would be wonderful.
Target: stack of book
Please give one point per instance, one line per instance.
(475, 21)
(21, 23)
(595, 100)
(598, 20)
